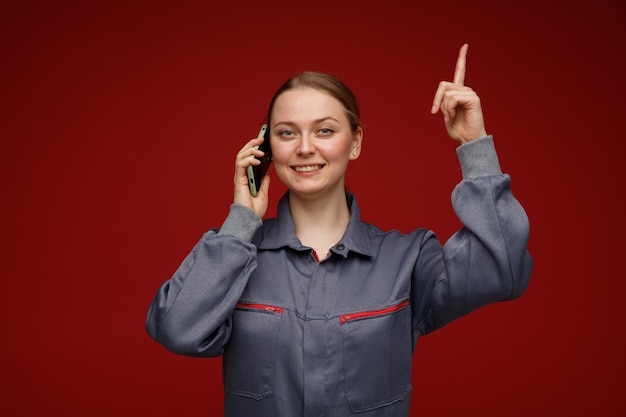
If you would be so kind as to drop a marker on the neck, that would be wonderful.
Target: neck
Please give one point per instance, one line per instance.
(320, 222)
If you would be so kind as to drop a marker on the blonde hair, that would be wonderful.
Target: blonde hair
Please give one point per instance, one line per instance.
(325, 83)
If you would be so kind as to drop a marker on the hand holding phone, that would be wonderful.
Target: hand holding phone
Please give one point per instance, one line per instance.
(257, 172)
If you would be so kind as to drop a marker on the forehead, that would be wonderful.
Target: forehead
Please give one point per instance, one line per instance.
(301, 105)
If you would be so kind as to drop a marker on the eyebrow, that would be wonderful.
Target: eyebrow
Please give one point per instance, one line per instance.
(323, 119)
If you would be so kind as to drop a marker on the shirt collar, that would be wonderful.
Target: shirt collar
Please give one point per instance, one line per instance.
(280, 231)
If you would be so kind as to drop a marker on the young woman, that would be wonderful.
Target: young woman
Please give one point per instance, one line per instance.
(316, 312)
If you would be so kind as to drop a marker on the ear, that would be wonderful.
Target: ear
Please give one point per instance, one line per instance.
(357, 144)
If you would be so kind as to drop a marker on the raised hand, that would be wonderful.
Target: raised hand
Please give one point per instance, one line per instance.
(242, 195)
(460, 105)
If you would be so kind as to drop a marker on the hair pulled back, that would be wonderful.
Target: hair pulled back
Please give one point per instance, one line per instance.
(325, 83)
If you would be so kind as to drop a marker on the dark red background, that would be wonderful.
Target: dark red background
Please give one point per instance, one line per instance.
(119, 123)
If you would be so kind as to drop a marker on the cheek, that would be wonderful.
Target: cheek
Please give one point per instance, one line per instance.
(280, 154)
(340, 151)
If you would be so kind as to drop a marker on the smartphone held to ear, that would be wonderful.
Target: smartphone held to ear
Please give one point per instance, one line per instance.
(257, 172)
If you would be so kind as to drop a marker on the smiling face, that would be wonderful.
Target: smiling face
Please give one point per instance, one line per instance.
(312, 141)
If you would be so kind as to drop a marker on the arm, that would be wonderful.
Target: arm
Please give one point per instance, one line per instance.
(484, 262)
(487, 260)
(190, 313)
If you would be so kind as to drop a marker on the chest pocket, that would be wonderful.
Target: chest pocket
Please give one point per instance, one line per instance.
(377, 356)
(250, 356)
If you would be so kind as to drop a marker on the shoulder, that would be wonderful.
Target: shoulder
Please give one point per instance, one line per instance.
(396, 237)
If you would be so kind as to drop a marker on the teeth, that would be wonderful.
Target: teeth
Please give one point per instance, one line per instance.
(309, 168)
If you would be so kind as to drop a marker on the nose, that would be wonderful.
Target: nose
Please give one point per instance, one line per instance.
(305, 145)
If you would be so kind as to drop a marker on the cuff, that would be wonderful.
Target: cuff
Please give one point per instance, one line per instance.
(478, 158)
(241, 222)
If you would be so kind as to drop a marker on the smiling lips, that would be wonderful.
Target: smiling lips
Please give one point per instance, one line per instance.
(308, 168)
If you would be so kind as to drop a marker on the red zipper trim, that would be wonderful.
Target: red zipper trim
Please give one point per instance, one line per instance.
(265, 307)
(347, 317)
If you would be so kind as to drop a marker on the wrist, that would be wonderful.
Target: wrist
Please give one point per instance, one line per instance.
(241, 222)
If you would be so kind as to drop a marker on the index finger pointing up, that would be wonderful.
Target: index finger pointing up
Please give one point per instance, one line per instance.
(459, 71)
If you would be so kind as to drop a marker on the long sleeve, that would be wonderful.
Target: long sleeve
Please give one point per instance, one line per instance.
(190, 314)
(487, 259)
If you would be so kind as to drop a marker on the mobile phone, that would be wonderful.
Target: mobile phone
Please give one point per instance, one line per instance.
(257, 172)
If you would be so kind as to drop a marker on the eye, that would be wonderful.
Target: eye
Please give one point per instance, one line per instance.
(286, 133)
(325, 131)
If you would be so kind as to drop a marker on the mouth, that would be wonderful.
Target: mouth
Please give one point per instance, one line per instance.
(307, 168)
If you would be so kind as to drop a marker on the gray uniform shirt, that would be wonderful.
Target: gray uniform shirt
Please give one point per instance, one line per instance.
(336, 337)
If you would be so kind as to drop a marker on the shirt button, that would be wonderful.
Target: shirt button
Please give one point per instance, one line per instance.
(340, 247)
